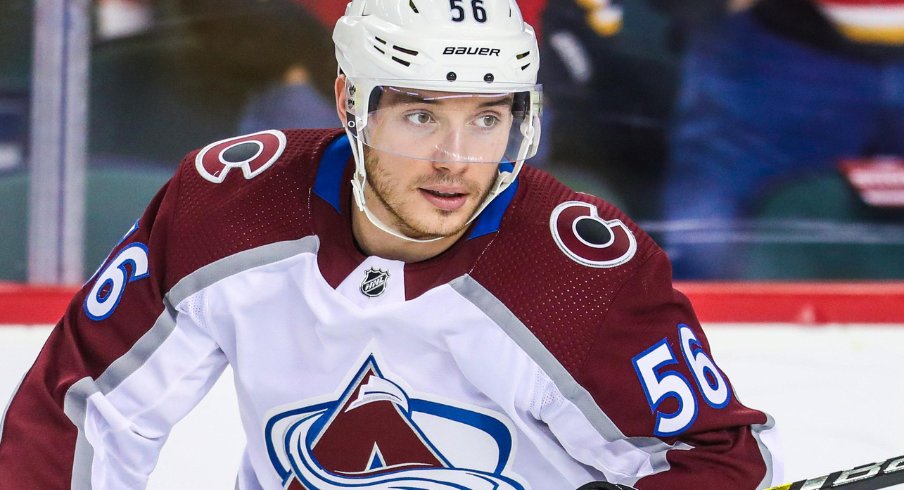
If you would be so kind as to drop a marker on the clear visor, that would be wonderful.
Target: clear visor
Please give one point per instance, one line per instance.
(451, 127)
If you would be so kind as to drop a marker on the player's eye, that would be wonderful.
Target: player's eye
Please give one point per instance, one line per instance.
(419, 118)
(487, 121)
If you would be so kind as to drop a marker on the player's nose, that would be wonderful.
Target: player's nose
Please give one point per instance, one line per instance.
(451, 150)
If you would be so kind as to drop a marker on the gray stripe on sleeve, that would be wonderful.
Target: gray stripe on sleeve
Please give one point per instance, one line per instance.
(75, 404)
(242, 261)
(768, 458)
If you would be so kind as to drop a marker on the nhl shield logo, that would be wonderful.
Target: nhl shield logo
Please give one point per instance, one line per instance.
(374, 283)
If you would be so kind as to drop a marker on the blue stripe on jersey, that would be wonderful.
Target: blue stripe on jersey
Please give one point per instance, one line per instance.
(491, 217)
(328, 183)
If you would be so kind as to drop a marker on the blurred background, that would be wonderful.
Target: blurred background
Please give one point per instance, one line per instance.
(754, 140)
(757, 141)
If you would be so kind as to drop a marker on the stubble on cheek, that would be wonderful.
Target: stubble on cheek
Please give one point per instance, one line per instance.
(398, 199)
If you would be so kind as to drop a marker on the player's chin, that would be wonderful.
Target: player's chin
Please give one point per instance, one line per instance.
(443, 223)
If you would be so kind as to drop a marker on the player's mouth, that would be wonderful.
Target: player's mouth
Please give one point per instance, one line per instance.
(445, 199)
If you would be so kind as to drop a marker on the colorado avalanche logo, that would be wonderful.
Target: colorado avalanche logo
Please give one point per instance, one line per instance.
(373, 435)
(252, 153)
(588, 239)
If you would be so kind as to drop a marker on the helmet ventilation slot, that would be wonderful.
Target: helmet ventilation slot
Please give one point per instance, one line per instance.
(404, 50)
(521, 57)
(377, 47)
(409, 52)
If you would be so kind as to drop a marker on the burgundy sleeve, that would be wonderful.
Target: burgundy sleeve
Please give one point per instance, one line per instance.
(38, 439)
(652, 373)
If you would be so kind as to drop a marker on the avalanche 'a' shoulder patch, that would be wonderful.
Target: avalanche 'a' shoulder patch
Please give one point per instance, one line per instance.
(253, 153)
(588, 239)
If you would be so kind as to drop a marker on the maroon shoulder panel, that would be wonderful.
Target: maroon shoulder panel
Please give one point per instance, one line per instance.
(217, 220)
(192, 221)
(596, 291)
(560, 299)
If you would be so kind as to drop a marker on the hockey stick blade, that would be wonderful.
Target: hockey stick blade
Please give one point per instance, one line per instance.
(866, 477)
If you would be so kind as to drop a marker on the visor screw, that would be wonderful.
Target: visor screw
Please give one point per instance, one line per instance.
(451, 76)
(489, 78)
(351, 90)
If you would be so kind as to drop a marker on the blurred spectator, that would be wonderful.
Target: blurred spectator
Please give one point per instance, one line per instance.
(610, 82)
(291, 102)
(267, 47)
(197, 72)
(778, 91)
(252, 44)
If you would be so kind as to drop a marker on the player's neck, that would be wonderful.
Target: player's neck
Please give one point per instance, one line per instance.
(374, 241)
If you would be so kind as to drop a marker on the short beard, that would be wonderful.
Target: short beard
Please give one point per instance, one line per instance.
(384, 186)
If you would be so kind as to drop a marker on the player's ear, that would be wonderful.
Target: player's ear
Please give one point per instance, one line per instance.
(341, 99)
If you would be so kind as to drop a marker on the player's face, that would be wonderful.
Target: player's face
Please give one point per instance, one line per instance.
(434, 159)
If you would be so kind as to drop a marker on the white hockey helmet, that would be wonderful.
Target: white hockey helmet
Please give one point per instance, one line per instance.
(436, 49)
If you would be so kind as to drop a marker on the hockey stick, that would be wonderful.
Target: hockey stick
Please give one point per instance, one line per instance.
(866, 477)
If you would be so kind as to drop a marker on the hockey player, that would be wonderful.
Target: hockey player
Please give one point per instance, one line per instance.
(450, 319)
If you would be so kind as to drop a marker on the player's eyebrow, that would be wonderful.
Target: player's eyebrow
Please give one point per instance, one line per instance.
(505, 100)
(398, 97)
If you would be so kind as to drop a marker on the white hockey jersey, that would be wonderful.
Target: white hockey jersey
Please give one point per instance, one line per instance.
(544, 350)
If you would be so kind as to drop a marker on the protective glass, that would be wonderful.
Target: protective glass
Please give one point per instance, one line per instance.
(452, 127)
